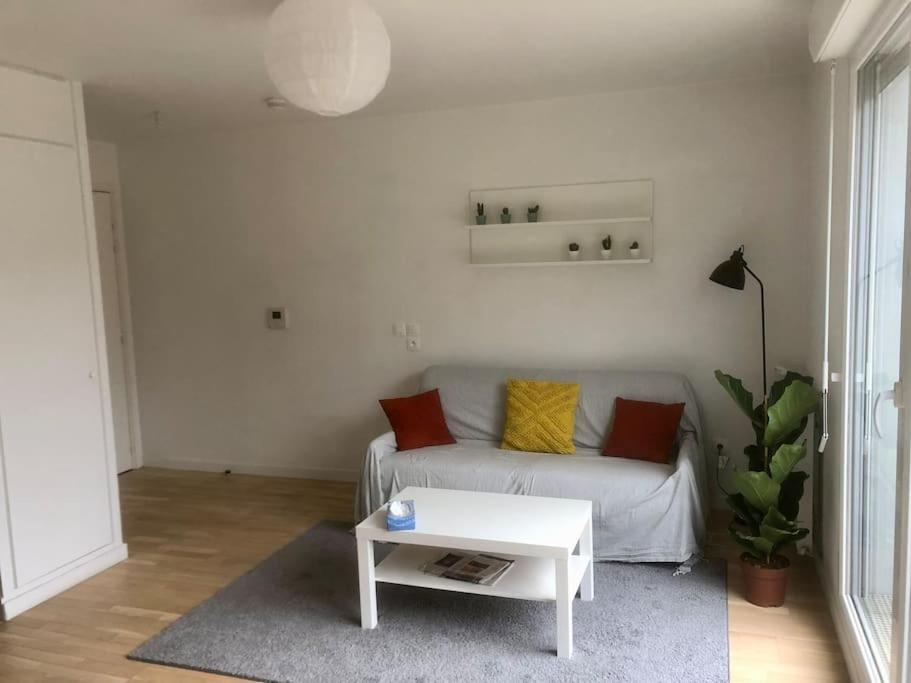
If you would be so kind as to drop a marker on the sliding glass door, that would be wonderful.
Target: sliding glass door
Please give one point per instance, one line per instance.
(879, 442)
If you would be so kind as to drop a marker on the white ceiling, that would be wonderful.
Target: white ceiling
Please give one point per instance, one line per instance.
(200, 63)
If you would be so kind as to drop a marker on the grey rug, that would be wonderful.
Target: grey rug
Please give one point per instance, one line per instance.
(296, 617)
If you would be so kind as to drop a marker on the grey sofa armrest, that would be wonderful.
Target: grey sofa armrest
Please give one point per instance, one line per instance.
(691, 466)
(369, 497)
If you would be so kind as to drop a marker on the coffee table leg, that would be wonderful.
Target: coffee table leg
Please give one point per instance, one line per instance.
(564, 610)
(367, 579)
(587, 548)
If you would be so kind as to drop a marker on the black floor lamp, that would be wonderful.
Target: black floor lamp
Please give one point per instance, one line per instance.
(731, 274)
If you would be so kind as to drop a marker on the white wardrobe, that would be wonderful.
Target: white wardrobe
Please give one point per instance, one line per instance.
(60, 514)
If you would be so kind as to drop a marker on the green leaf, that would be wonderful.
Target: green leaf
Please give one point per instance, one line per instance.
(747, 542)
(734, 387)
(781, 539)
(775, 527)
(759, 489)
(774, 518)
(775, 532)
(755, 456)
(764, 545)
(791, 493)
(747, 513)
(778, 531)
(785, 458)
(778, 388)
(797, 401)
(795, 434)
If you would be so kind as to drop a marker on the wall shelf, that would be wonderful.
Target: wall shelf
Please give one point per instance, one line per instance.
(581, 262)
(584, 213)
(541, 224)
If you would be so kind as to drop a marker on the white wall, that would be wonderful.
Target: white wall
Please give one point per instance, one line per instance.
(354, 224)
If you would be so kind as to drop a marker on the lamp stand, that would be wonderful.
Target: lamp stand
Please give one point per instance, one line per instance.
(765, 381)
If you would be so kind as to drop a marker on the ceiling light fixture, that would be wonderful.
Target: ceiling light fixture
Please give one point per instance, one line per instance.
(327, 56)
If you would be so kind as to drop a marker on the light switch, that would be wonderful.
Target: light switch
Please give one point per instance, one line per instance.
(414, 343)
(413, 330)
(277, 318)
(398, 329)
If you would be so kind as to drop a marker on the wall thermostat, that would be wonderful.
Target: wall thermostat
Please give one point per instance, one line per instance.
(276, 318)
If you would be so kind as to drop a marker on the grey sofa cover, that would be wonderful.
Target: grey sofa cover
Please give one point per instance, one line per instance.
(642, 512)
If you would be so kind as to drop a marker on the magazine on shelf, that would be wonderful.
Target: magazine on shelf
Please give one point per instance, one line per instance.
(478, 568)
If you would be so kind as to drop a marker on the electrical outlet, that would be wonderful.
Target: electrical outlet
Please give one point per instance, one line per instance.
(414, 343)
(720, 445)
(277, 318)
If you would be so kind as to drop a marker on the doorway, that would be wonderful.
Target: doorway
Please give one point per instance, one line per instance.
(123, 397)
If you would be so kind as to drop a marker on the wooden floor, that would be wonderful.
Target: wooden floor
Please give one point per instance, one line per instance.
(796, 642)
(191, 533)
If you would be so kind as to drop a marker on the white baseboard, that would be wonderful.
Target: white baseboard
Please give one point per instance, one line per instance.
(62, 579)
(290, 472)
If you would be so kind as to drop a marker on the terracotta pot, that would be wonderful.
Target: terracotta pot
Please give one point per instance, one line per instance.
(764, 585)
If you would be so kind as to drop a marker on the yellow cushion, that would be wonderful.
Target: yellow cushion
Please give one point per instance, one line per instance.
(540, 416)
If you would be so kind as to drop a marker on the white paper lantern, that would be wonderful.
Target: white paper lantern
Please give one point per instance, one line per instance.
(327, 56)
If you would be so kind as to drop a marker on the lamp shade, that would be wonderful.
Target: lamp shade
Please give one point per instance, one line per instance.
(327, 56)
(730, 273)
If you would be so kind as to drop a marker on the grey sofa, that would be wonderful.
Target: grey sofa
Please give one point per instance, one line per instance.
(642, 511)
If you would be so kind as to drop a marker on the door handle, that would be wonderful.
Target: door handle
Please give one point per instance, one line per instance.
(889, 395)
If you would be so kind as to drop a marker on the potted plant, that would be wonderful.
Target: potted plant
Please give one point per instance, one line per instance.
(533, 213)
(634, 250)
(766, 500)
(574, 251)
(505, 216)
(606, 248)
(481, 218)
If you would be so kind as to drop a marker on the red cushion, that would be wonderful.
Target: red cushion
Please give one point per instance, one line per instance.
(643, 430)
(417, 420)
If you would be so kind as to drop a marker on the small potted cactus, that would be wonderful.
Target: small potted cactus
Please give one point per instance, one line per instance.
(606, 248)
(505, 216)
(533, 213)
(574, 251)
(481, 218)
(634, 250)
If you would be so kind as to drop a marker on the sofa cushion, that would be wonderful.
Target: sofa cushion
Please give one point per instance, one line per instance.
(540, 416)
(483, 466)
(474, 399)
(417, 421)
(643, 430)
(636, 505)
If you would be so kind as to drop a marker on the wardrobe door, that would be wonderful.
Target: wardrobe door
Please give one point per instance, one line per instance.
(51, 426)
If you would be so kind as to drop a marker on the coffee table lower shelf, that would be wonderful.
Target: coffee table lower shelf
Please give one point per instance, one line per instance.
(530, 578)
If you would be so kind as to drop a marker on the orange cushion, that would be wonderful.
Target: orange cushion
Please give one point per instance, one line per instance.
(643, 430)
(417, 421)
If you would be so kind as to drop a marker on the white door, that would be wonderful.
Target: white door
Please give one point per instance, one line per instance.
(55, 458)
(880, 394)
(107, 261)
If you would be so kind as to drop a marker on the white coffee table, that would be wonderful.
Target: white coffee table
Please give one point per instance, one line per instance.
(540, 534)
